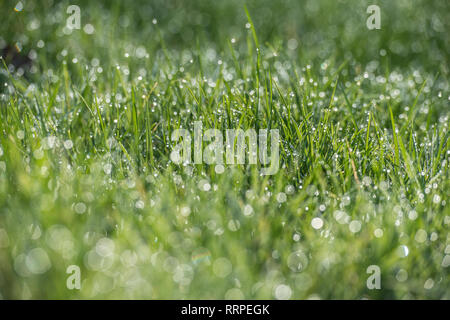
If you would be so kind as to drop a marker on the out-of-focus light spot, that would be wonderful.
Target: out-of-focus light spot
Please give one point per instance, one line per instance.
(378, 233)
(283, 292)
(201, 255)
(222, 267)
(403, 251)
(88, 29)
(18, 7)
(297, 261)
(421, 236)
(37, 261)
(355, 226)
(402, 275)
(234, 294)
(317, 223)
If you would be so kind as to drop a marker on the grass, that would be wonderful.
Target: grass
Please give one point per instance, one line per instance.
(86, 177)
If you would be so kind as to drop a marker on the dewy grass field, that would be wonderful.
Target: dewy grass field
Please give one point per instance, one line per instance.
(90, 196)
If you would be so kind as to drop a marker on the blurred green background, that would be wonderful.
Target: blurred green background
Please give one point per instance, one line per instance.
(414, 33)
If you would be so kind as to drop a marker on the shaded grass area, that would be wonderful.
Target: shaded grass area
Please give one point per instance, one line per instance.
(86, 178)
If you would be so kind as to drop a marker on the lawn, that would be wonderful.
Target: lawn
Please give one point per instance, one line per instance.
(93, 204)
